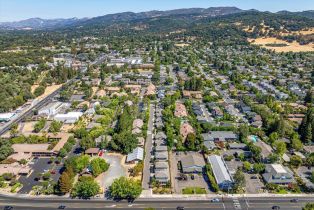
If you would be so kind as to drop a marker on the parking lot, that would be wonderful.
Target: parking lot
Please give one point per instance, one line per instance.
(254, 183)
(305, 174)
(38, 166)
(198, 180)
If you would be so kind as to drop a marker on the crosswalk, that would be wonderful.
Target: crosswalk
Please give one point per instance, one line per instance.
(236, 204)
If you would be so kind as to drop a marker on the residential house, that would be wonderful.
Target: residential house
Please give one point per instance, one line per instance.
(186, 129)
(278, 174)
(180, 110)
(192, 164)
(136, 155)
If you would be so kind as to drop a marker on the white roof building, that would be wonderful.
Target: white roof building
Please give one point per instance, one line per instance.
(68, 118)
(220, 171)
(51, 109)
(136, 155)
(6, 116)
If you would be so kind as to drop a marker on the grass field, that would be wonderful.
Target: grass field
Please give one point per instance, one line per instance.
(193, 190)
(294, 46)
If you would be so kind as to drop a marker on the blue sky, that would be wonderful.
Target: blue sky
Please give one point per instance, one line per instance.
(12, 10)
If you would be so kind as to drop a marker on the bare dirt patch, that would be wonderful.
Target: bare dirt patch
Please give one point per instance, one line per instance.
(49, 89)
(182, 45)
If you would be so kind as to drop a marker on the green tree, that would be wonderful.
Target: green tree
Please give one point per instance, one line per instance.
(39, 91)
(40, 125)
(124, 188)
(86, 187)
(239, 181)
(308, 206)
(65, 182)
(98, 166)
(280, 147)
(296, 161)
(87, 142)
(55, 126)
(190, 141)
(247, 166)
(258, 167)
(296, 142)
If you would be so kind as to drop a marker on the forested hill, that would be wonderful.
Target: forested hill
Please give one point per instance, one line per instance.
(38, 23)
(215, 24)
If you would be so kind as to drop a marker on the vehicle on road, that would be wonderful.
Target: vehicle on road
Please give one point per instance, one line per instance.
(215, 200)
(180, 208)
(295, 200)
(8, 208)
(53, 172)
(276, 207)
(61, 207)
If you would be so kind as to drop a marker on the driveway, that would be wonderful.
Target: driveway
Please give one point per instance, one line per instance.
(115, 170)
(148, 149)
(253, 186)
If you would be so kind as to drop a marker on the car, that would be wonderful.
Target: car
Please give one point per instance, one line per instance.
(180, 208)
(61, 207)
(276, 207)
(295, 200)
(253, 177)
(215, 200)
(192, 177)
(53, 172)
(8, 208)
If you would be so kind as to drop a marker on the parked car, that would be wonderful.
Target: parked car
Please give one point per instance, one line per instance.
(295, 200)
(254, 177)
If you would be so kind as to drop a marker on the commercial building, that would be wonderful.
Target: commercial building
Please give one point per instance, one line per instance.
(51, 109)
(68, 118)
(44, 150)
(5, 117)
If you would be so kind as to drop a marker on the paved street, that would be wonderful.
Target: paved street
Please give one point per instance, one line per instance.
(148, 149)
(255, 203)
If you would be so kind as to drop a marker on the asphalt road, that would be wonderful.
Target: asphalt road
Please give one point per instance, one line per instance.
(256, 203)
(148, 149)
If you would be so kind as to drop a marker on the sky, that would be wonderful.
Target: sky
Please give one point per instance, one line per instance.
(14, 10)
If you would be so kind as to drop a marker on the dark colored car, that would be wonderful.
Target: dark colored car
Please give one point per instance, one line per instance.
(61, 207)
(180, 208)
(8, 208)
(276, 207)
(295, 200)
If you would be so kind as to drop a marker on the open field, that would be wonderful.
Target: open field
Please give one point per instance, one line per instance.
(294, 46)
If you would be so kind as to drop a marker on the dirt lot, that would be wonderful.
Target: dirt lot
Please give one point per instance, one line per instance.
(294, 46)
(48, 90)
(26, 127)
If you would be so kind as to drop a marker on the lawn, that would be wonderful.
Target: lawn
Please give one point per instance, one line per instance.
(193, 190)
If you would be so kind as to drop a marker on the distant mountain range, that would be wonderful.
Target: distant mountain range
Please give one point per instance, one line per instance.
(38, 23)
